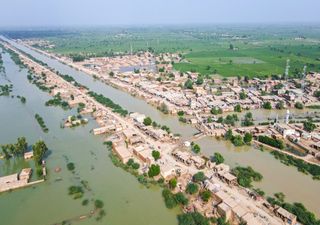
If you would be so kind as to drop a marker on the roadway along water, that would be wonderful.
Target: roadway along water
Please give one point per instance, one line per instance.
(126, 201)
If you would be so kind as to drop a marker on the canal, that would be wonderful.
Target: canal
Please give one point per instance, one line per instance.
(278, 177)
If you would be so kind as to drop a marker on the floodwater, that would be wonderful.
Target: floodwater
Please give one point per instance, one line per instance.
(126, 201)
(297, 186)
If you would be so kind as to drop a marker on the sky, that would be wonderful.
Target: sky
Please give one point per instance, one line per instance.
(33, 13)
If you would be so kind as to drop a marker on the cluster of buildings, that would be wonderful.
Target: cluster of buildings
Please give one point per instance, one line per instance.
(166, 86)
(104, 65)
(293, 134)
(222, 94)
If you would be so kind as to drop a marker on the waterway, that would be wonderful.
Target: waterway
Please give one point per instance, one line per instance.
(126, 201)
(297, 186)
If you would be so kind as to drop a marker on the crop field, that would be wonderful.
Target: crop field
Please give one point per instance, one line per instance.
(224, 50)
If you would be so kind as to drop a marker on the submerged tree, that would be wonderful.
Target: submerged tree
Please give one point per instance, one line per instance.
(39, 149)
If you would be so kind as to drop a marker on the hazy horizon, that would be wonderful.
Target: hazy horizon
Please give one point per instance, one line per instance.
(81, 13)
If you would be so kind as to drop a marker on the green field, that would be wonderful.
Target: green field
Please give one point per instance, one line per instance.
(257, 50)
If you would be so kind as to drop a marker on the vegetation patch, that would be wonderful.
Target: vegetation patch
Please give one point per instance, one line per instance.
(108, 103)
(301, 165)
(246, 175)
(57, 101)
(271, 141)
(5, 90)
(192, 218)
(16, 149)
(304, 216)
(41, 123)
(76, 192)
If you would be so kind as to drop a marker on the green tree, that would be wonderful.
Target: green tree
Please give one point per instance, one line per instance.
(173, 183)
(192, 218)
(205, 195)
(298, 105)
(248, 120)
(228, 135)
(246, 175)
(70, 166)
(130, 162)
(169, 199)
(271, 141)
(267, 105)
(180, 113)
(39, 149)
(147, 121)
(154, 170)
(218, 158)
(200, 80)
(5, 151)
(156, 154)
(222, 221)
(192, 188)
(216, 111)
(181, 198)
(135, 166)
(21, 145)
(196, 148)
(188, 84)
(198, 177)
(243, 95)
(98, 204)
(238, 108)
(247, 138)
(309, 126)
(280, 196)
(237, 140)
(316, 94)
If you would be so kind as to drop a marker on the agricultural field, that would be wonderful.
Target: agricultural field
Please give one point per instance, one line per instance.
(224, 50)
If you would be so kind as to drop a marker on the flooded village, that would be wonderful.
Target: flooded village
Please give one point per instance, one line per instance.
(131, 138)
